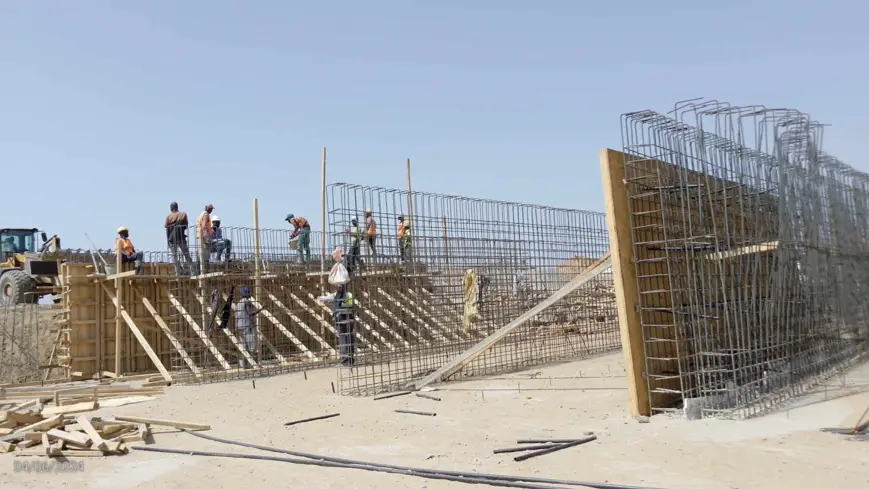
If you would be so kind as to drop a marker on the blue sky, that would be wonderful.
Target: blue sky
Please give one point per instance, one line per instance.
(114, 109)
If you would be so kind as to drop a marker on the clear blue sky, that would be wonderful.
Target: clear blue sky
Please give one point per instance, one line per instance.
(115, 108)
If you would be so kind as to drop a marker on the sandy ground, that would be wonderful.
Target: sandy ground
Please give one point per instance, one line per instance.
(782, 450)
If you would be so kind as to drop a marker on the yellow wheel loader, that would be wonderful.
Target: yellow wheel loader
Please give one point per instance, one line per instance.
(28, 271)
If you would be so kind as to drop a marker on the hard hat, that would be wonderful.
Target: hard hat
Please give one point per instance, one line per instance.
(400, 218)
(354, 221)
(289, 216)
(123, 229)
(215, 218)
(367, 211)
(245, 291)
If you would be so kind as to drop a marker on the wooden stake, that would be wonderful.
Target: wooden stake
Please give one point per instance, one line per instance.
(117, 308)
(258, 281)
(323, 224)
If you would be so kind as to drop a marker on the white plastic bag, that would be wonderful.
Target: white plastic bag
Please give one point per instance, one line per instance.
(339, 275)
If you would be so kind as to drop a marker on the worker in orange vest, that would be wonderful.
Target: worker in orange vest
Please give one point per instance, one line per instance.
(370, 233)
(204, 231)
(302, 229)
(124, 246)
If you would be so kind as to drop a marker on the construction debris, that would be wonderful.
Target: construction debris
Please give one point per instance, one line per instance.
(393, 394)
(315, 418)
(544, 447)
(420, 413)
(427, 396)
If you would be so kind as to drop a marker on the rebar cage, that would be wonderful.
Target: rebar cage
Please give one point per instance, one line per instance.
(750, 246)
(468, 267)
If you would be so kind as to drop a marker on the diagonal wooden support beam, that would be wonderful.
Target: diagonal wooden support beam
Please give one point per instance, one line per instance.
(433, 332)
(324, 323)
(431, 315)
(379, 322)
(199, 332)
(364, 325)
(395, 318)
(283, 329)
(138, 334)
(229, 334)
(301, 324)
(282, 359)
(172, 339)
(475, 351)
(471, 333)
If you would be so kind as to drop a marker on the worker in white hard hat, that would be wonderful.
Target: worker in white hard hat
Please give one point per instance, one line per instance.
(128, 253)
(219, 244)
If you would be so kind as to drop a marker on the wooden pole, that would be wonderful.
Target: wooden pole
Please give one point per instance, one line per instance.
(410, 219)
(323, 222)
(118, 319)
(257, 274)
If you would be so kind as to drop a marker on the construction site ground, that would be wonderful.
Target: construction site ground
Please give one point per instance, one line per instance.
(784, 449)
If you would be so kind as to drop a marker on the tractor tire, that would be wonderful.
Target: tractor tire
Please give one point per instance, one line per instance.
(15, 286)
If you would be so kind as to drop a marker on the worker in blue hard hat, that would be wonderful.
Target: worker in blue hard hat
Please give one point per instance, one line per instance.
(302, 229)
(245, 324)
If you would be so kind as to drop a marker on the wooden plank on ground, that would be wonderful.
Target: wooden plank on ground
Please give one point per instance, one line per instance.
(81, 407)
(199, 332)
(229, 334)
(179, 348)
(70, 437)
(138, 334)
(164, 422)
(96, 440)
(43, 425)
(469, 355)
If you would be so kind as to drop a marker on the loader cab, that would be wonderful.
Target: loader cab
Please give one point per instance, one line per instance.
(19, 240)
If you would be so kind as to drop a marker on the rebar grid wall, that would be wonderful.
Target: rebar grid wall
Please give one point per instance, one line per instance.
(291, 332)
(750, 246)
(469, 267)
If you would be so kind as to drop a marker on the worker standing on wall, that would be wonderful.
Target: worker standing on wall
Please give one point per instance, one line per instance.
(124, 246)
(176, 237)
(219, 244)
(344, 318)
(355, 258)
(403, 238)
(203, 235)
(302, 229)
(371, 234)
(246, 325)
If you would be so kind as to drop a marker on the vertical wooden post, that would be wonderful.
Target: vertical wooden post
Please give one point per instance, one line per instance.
(410, 221)
(618, 218)
(323, 224)
(100, 326)
(118, 308)
(257, 274)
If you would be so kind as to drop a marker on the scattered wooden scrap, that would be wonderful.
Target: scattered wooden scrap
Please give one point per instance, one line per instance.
(315, 418)
(420, 413)
(545, 447)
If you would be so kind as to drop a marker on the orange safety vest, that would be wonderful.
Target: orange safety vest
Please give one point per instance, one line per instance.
(126, 246)
(371, 228)
(403, 228)
(299, 222)
(203, 223)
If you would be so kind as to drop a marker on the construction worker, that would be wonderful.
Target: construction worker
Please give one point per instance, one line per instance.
(203, 236)
(219, 244)
(344, 318)
(127, 251)
(370, 233)
(355, 257)
(245, 324)
(176, 238)
(403, 238)
(302, 229)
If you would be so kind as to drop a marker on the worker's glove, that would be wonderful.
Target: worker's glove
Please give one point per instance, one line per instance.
(296, 233)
